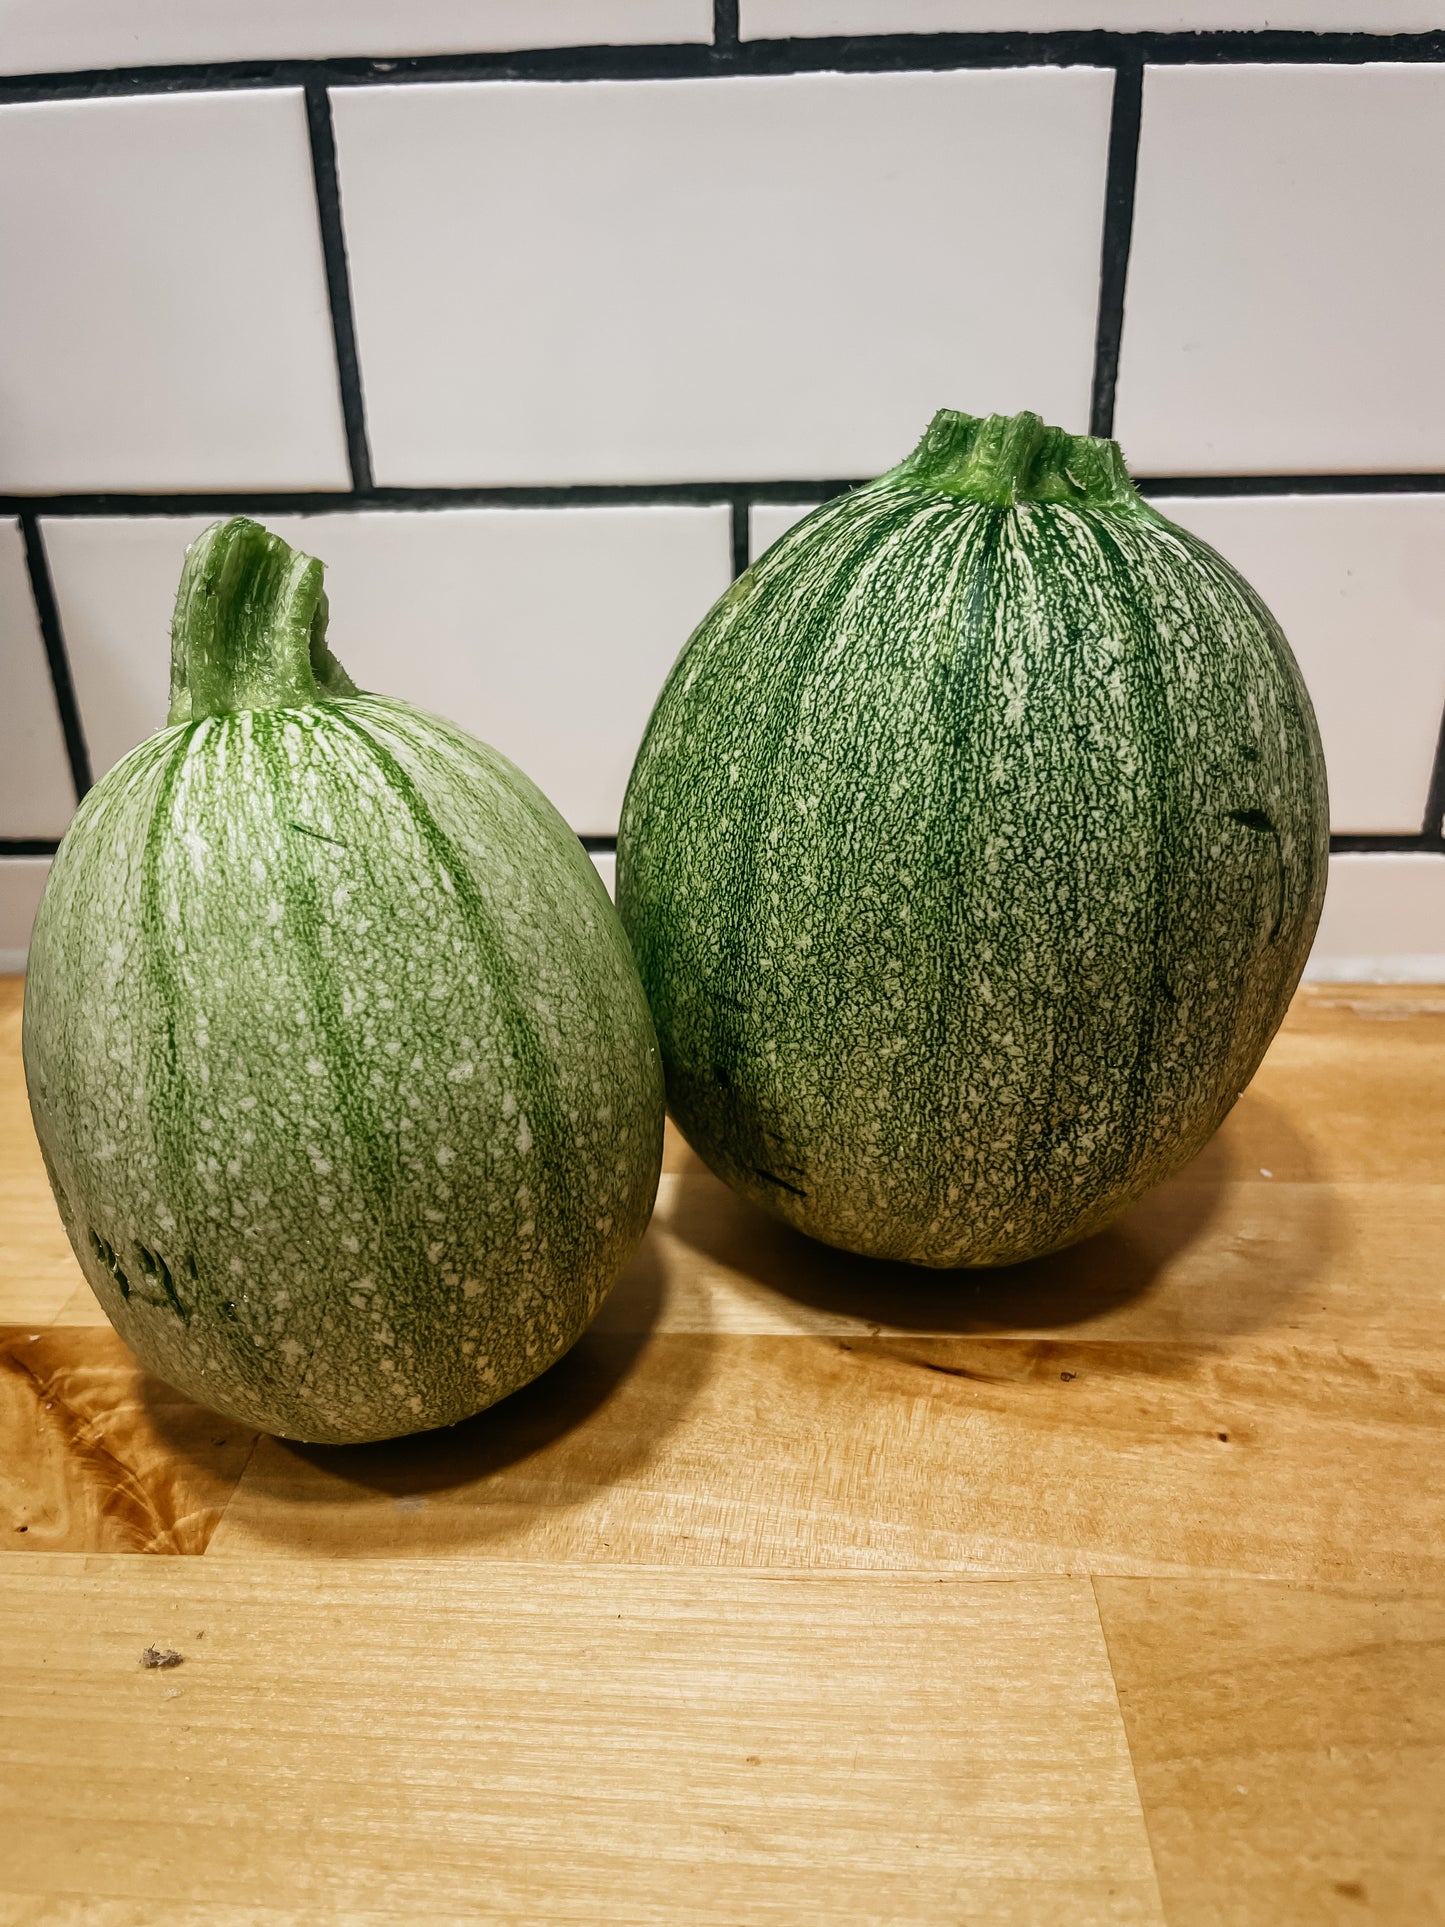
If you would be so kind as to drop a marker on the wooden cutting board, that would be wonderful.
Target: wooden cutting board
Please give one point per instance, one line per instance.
(1111, 1588)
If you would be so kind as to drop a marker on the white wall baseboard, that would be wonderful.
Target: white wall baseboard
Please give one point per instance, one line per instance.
(1384, 921)
(1424, 969)
(22, 879)
(607, 869)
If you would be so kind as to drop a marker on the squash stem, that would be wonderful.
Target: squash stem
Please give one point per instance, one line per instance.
(249, 630)
(1002, 460)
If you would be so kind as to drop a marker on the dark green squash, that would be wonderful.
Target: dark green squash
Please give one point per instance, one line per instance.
(973, 853)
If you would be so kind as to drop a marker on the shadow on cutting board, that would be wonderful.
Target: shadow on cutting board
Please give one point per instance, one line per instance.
(592, 1422)
(100, 1456)
(566, 1396)
(1222, 1249)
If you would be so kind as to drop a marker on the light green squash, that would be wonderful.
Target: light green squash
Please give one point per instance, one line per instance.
(338, 1057)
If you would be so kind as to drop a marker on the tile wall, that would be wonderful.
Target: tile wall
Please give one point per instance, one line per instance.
(768, 19)
(531, 317)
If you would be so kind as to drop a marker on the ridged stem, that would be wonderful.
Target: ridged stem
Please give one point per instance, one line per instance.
(249, 630)
(1005, 459)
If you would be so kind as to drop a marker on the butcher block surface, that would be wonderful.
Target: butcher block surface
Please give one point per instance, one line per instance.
(805, 1589)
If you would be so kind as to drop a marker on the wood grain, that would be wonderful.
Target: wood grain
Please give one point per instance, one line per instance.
(95, 1455)
(959, 1454)
(1290, 1750)
(1193, 1261)
(530, 1743)
(1359, 1070)
(847, 1514)
(1349, 1095)
(85, 1910)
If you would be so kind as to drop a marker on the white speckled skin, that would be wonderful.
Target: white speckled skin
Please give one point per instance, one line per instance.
(970, 859)
(341, 1067)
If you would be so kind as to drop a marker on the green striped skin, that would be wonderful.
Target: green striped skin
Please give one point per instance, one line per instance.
(341, 1067)
(972, 854)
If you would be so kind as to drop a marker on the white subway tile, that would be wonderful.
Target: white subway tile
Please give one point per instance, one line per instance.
(768, 520)
(22, 879)
(1286, 281)
(709, 279)
(784, 19)
(52, 36)
(115, 585)
(163, 313)
(546, 632)
(36, 793)
(1384, 921)
(605, 862)
(1358, 585)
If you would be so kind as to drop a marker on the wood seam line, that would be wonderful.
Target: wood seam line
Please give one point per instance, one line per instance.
(1129, 1744)
(236, 1487)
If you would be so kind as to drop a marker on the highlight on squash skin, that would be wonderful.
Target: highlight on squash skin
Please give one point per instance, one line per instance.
(338, 1058)
(972, 853)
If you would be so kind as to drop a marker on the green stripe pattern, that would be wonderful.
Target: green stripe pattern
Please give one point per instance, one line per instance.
(341, 1067)
(972, 854)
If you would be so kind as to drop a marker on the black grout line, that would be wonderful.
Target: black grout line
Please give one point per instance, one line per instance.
(18, 846)
(1119, 185)
(42, 591)
(640, 494)
(351, 502)
(48, 845)
(338, 280)
(1383, 845)
(1434, 824)
(1352, 484)
(21, 846)
(862, 53)
(742, 536)
(1088, 47)
(1126, 53)
(548, 63)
